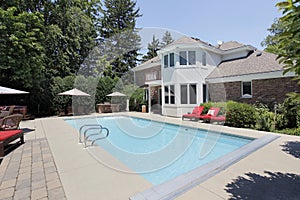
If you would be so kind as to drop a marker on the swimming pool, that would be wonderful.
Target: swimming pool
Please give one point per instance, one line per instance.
(161, 151)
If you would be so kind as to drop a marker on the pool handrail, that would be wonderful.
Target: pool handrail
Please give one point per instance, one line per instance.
(107, 133)
(87, 125)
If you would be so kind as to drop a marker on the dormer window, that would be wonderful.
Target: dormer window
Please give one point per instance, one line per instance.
(187, 58)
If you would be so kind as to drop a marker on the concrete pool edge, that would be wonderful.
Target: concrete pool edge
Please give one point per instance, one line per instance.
(177, 186)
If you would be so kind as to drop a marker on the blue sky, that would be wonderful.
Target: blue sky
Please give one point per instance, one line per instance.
(245, 21)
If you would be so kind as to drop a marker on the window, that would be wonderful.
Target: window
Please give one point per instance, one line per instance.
(187, 57)
(166, 61)
(183, 94)
(166, 95)
(193, 94)
(204, 89)
(151, 76)
(188, 94)
(182, 58)
(172, 62)
(192, 58)
(204, 58)
(247, 89)
(170, 94)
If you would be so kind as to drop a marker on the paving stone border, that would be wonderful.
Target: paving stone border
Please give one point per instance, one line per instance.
(29, 172)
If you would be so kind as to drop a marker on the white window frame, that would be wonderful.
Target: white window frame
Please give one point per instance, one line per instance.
(188, 93)
(187, 58)
(242, 89)
(169, 94)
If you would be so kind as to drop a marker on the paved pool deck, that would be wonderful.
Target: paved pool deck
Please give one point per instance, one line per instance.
(53, 165)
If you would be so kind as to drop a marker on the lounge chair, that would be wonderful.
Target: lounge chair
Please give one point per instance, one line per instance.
(212, 115)
(195, 114)
(7, 111)
(7, 137)
(11, 122)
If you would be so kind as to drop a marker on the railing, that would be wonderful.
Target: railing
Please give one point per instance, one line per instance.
(92, 127)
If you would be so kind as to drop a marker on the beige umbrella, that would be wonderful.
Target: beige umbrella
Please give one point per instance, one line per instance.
(119, 94)
(5, 90)
(74, 92)
(116, 94)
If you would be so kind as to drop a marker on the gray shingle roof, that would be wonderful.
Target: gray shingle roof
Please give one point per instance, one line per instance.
(230, 45)
(256, 62)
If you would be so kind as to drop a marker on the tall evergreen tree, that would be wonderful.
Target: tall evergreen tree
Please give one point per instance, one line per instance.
(71, 34)
(153, 47)
(167, 39)
(271, 41)
(119, 36)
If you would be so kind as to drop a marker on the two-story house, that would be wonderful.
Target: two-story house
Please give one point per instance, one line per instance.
(189, 71)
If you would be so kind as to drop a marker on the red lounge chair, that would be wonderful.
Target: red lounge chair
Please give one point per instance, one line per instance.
(8, 136)
(195, 114)
(212, 115)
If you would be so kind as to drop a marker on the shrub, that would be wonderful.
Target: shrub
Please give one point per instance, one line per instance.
(264, 118)
(288, 114)
(288, 131)
(240, 115)
(207, 106)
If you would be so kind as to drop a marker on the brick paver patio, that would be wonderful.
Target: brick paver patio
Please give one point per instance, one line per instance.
(29, 172)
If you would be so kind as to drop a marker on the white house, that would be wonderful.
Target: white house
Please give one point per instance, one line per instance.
(186, 72)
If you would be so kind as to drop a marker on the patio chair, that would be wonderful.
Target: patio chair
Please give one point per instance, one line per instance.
(11, 122)
(196, 113)
(212, 115)
(6, 137)
(7, 111)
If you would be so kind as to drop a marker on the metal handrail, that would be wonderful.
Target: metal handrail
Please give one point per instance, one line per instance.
(86, 125)
(88, 129)
(107, 133)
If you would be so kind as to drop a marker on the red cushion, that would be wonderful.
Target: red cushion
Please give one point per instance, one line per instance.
(6, 134)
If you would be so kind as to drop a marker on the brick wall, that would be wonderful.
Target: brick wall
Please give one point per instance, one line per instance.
(265, 90)
(140, 76)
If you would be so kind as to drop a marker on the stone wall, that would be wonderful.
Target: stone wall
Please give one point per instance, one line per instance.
(268, 91)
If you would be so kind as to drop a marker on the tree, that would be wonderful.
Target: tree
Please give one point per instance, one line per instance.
(167, 39)
(119, 36)
(288, 39)
(71, 34)
(271, 41)
(21, 51)
(153, 47)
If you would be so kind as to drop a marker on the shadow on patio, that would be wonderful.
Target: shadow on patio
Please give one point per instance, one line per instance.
(275, 185)
(292, 148)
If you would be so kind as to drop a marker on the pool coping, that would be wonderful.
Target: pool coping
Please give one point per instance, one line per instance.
(181, 184)
(177, 186)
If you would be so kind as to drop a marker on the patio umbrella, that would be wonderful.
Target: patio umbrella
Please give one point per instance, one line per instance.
(116, 94)
(5, 90)
(119, 94)
(74, 92)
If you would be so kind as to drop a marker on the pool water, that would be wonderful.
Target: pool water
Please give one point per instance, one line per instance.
(160, 151)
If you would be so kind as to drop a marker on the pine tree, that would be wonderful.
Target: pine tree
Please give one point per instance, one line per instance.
(120, 40)
(167, 39)
(153, 47)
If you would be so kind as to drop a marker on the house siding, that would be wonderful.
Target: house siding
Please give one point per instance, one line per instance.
(267, 91)
(140, 76)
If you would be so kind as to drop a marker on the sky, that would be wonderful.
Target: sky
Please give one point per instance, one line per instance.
(244, 21)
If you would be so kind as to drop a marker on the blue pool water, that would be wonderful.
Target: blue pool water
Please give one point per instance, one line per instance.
(161, 151)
